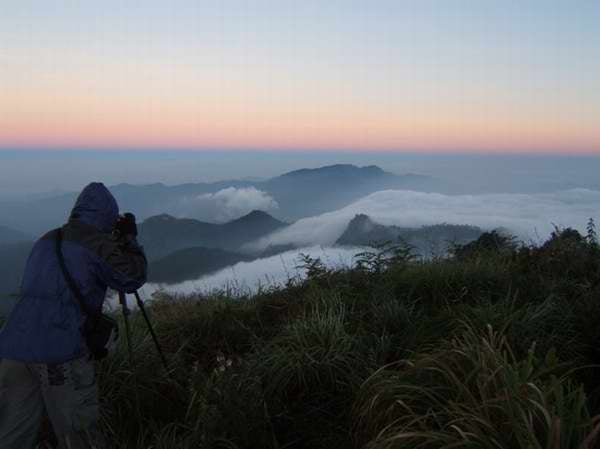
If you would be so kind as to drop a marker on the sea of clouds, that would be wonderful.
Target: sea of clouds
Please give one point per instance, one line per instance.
(531, 217)
(249, 277)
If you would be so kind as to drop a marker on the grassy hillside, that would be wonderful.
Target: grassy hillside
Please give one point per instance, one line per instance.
(496, 347)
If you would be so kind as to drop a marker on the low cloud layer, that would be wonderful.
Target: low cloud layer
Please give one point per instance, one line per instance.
(226, 204)
(248, 277)
(531, 217)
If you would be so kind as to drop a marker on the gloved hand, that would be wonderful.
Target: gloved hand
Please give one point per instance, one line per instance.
(126, 226)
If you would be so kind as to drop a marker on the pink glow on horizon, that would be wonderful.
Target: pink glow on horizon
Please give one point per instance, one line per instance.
(72, 111)
(360, 76)
(346, 135)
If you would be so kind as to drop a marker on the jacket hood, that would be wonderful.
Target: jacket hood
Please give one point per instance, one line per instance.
(96, 206)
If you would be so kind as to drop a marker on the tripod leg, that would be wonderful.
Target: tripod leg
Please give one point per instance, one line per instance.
(140, 304)
(126, 313)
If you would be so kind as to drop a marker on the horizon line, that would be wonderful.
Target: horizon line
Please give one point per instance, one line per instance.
(292, 150)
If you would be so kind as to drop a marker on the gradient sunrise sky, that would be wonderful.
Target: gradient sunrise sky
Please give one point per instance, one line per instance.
(443, 75)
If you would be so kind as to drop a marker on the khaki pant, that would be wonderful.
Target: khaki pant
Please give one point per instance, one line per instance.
(67, 392)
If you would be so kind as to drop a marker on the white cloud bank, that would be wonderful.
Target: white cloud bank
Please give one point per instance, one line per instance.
(227, 204)
(248, 277)
(529, 216)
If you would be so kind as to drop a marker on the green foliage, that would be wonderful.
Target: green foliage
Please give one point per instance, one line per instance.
(488, 243)
(495, 347)
(385, 255)
(314, 267)
(592, 235)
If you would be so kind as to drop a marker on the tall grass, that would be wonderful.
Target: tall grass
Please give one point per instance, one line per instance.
(474, 392)
(492, 349)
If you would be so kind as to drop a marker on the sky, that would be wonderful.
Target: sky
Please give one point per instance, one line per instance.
(388, 75)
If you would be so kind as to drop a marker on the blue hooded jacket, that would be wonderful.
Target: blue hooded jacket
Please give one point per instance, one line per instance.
(46, 324)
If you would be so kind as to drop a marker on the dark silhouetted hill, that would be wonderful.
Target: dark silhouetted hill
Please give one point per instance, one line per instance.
(164, 234)
(191, 263)
(307, 192)
(427, 240)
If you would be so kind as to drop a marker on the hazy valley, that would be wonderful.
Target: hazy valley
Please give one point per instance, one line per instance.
(191, 231)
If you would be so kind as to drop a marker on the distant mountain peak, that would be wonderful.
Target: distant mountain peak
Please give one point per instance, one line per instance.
(361, 223)
(128, 185)
(257, 216)
(429, 239)
(336, 168)
(373, 168)
(161, 218)
(360, 218)
(164, 234)
(257, 213)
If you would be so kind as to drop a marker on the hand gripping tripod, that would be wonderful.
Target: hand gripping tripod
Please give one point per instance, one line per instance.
(126, 313)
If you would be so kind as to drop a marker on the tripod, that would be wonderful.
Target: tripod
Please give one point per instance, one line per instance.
(126, 313)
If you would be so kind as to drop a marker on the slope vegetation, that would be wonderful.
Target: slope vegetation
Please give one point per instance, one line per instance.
(495, 346)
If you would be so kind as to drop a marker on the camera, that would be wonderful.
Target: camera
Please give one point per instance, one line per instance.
(125, 226)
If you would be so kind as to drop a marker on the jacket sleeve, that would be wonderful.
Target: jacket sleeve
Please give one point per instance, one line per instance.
(123, 266)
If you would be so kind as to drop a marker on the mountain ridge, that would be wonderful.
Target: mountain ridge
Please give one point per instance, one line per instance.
(298, 193)
(163, 234)
(429, 240)
(191, 263)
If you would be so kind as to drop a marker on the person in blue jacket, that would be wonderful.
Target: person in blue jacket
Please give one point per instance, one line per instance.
(45, 364)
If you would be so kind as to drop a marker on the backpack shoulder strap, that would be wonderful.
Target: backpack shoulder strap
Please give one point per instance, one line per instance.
(70, 281)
